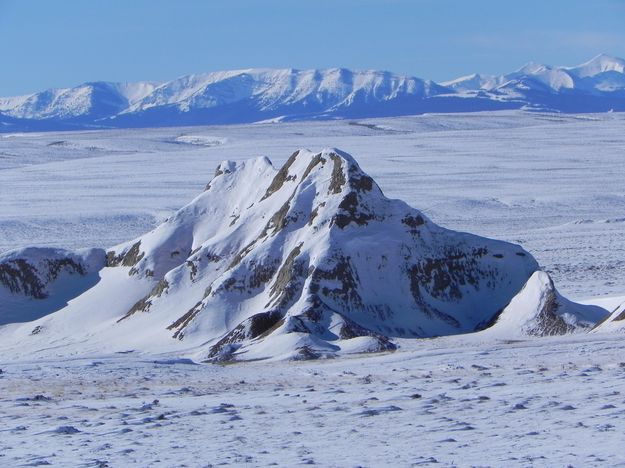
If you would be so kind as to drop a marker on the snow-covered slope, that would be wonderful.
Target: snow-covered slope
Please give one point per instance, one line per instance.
(253, 95)
(602, 63)
(306, 261)
(473, 82)
(615, 322)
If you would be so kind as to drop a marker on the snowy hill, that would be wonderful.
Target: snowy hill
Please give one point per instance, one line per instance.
(310, 260)
(253, 95)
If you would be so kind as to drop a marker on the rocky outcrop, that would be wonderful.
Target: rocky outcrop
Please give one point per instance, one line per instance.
(32, 272)
(37, 281)
(539, 310)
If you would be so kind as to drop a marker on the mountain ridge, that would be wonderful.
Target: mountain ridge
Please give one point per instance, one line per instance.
(260, 94)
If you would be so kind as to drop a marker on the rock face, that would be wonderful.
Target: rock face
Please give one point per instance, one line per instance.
(539, 310)
(307, 261)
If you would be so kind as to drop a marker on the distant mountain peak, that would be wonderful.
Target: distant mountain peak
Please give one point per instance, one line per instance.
(600, 64)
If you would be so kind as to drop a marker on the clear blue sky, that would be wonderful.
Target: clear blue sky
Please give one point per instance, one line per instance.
(46, 43)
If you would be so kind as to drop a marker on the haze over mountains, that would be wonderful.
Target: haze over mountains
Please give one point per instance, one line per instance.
(243, 96)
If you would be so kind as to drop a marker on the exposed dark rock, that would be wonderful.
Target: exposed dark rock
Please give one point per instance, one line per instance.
(18, 276)
(620, 316)
(129, 258)
(180, 324)
(143, 304)
(315, 212)
(250, 328)
(548, 322)
(337, 180)
(316, 159)
(351, 214)
(241, 255)
(289, 279)
(413, 221)
(281, 177)
(443, 277)
(342, 273)
(278, 221)
(193, 269)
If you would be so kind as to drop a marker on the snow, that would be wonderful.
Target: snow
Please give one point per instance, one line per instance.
(552, 183)
(447, 402)
(600, 64)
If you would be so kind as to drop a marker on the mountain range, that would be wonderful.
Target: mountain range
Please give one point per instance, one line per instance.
(253, 95)
(309, 260)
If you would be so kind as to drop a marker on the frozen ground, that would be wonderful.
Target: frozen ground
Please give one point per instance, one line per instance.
(444, 402)
(553, 183)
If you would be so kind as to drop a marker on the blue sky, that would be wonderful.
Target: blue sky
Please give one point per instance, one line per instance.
(46, 43)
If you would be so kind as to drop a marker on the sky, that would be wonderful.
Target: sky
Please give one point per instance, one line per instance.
(46, 43)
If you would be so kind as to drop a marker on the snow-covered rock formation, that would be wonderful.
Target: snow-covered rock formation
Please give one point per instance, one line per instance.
(306, 261)
(254, 95)
(539, 310)
(35, 281)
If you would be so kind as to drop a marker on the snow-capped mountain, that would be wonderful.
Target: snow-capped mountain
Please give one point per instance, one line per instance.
(253, 95)
(227, 97)
(595, 86)
(87, 101)
(306, 261)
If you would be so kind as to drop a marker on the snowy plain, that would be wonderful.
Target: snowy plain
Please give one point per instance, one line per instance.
(552, 183)
(445, 402)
